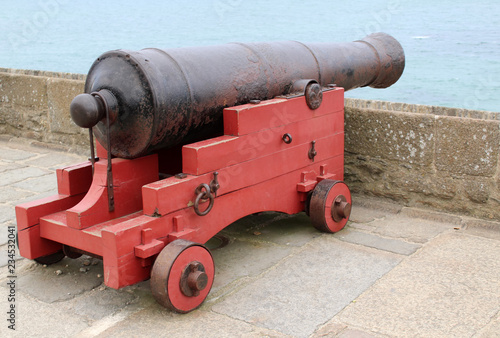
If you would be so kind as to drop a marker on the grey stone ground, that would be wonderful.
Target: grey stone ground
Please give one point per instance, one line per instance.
(392, 272)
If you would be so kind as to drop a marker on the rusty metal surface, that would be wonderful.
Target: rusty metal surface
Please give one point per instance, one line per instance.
(194, 279)
(341, 208)
(312, 151)
(170, 97)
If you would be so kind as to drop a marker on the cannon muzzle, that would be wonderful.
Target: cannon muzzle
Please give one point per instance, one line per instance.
(158, 98)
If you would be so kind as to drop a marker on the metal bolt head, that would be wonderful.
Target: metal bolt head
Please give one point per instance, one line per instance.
(197, 280)
(341, 208)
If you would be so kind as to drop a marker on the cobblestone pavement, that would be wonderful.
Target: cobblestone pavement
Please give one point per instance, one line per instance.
(393, 271)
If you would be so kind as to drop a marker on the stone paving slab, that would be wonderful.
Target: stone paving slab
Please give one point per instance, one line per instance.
(295, 230)
(413, 230)
(457, 299)
(492, 329)
(11, 155)
(309, 287)
(17, 175)
(60, 281)
(7, 213)
(38, 319)
(14, 194)
(54, 160)
(155, 321)
(38, 184)
(377, 242)
(4, 166)
(243, 259)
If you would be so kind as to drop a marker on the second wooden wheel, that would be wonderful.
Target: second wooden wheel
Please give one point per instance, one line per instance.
(182, 275)
(330, 205)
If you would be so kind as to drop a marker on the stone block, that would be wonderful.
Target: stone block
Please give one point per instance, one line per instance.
(421, 182)
(467, 146)
(457, 299)
(60, 93)
(477, 190)
(26, 91)
(404, 137)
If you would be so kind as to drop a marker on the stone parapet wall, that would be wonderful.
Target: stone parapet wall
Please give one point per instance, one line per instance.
(35, 105)
(441, 158)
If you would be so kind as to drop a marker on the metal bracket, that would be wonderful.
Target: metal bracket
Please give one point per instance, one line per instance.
(312, 152)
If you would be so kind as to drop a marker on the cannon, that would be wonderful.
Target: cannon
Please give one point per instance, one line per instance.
(190, 140)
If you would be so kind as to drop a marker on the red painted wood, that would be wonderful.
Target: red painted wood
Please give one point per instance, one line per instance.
(121, 266)
(278, 194)
(54, 227)
(75, 179)
(150, 249)
(32, 246)
(249, 118)
(28, 214)
(128, 178)
(128, 232)
(123, 271)
(210, 155)
(337, 189)
(100, 151)
(157, 196)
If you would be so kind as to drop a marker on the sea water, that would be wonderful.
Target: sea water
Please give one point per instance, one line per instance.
(452, 47)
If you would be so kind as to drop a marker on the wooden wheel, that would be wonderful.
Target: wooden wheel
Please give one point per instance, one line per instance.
(182, 275)
(330, 205)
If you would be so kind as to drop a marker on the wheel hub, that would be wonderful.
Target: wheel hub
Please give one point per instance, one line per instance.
(194, 279)
(341, 208)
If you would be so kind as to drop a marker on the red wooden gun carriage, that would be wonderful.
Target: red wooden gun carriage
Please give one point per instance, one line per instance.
(190, 140)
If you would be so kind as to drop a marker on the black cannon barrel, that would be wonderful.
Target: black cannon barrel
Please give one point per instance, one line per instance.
(161, 98)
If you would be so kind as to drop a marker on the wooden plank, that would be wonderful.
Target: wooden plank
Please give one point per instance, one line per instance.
(32, 246)
(250, 118)
(75, 179)
(128, 178)
(276, 194)
(174, 194)
(210, 155)
(28, 214)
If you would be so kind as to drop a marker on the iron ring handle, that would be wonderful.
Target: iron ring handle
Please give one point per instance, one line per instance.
(287, 138)
(203, 195)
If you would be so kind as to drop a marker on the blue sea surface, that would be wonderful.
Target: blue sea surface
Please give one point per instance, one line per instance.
(452, 47)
